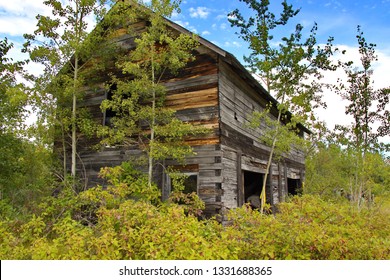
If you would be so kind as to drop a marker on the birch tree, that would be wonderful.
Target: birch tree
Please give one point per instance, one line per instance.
(369, 109)
(291, 67)
(141, 118)
(63, 45)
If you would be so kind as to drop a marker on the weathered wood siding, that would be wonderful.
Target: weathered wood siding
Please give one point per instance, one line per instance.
(211, 92)
(193, 94)
(241, 147)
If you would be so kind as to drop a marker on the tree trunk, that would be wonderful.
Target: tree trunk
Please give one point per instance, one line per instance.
(262, 195)
(152, 126)
(74, 110)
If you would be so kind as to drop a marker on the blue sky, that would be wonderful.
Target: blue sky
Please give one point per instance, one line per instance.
(208, 18)
(334, 18)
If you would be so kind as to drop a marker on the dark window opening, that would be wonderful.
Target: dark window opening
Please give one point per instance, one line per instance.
(191, 184)
(109, 113)
(293, 186)
(253, 183)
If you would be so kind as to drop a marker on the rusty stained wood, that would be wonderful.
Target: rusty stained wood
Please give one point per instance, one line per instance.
(194, 99)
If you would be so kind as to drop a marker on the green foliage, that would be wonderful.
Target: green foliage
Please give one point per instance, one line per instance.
(332, 171)
(189, 201)
(292, 68)
(137, 229)
(125, 220)
(25, 172)
(328, 171)
(365, 105)
(317, 229)
(63, 45)
(287, 135)
(13, 95)
(370, 121)
(127, 182)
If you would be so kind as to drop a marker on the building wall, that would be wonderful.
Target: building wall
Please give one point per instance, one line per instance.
(242, 150)
(211, 93)
(193, 93)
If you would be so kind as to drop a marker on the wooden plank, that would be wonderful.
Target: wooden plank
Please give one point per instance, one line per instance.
(211, 166)
(280, 184)
(199, 142)
(208, 180)
(285, 180)
(189, 84)
(202, 113)
(210, 191)
(195, 99)
(240, 180)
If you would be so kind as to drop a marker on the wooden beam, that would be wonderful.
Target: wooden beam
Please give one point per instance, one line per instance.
(240, 179)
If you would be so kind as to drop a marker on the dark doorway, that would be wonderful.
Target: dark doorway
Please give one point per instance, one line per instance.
(293, 186)
(253, 183)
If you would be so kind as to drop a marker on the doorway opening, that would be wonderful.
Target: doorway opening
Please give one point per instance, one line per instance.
(253, 183)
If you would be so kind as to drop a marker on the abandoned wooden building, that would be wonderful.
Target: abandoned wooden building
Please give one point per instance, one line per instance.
(229, 165)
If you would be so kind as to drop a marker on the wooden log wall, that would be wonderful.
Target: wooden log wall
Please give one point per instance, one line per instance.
(193, 94)
(208, 92)
(237, 101)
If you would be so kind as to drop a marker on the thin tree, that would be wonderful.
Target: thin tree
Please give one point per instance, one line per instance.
(291, 68)
(63, 45)
(141, 117)
(368, 108)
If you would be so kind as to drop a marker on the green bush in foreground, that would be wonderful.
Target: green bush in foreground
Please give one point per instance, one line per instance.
(310, 228)
(128, 221)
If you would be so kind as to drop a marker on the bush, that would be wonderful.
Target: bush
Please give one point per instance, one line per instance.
(127, 221)
(310, 228)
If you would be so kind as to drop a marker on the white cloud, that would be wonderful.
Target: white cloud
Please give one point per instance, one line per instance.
(223, 26)
(199, 12)
(16, 26)
(205, 33)
(175, 15)
(18, 16)
(186, 25)
(221, 17)
(234, 44)
(23, 7)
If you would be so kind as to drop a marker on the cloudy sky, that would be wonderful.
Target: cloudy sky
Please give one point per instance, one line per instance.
(208, 18)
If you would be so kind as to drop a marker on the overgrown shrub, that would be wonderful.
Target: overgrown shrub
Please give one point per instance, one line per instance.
(127, 221)
(310, 228)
